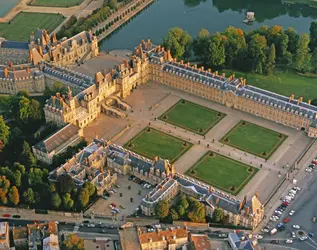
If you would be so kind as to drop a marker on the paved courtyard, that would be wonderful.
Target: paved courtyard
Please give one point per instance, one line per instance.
(101, 207)
(152, 100)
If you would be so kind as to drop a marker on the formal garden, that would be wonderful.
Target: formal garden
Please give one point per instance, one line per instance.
(56, 3)
(23, 24)
(254, 139)
(151, 142)
(192, 117)
(222, 172)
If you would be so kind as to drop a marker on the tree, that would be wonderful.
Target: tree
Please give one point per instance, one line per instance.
(19, 167)
(90, 188)
(13, 195)
(293, 39)
(83, 198)
(216, 51)
(178, 41)
(275, 35)
(35, 176)
(234, 43)
(257, 51)
(314, 62)
(270, 64)
(183, 202)
(17, 178)
(56, 200)
(161, 209)
(313, 35)
(174, 214)
(200, 44)
(3, 197)
(218, 215)
(113, 4)
(181, 210)
(4, 184)
(28, 196)
(24, 109)
(197, 212)
(65, 183)
(68, 202)
(4, 133)
(27, 157)
(73, 242)
(302, 57)
(35, 110)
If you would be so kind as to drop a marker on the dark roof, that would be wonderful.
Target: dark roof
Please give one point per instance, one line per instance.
(55, 140)
(15, 45)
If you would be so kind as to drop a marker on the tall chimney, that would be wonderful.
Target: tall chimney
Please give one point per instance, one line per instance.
(5, 72)
(309, 101)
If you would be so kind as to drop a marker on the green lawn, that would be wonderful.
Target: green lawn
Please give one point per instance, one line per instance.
(23, 24)
(222, 172)
(284, 83)
(56, 3)
(254, 139)
(191, 116)
(151, 142)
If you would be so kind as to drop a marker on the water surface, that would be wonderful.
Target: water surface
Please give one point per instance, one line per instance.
(6, 6)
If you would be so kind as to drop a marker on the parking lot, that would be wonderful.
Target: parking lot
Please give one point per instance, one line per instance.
(101, 207)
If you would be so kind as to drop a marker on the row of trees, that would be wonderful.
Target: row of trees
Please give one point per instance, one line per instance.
(256, 51)
(75, 26)
(186, 208)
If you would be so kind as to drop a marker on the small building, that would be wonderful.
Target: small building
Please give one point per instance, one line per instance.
(51, 242)
(4, 235)
(198, 242)
(38, 232)
(239, 241)
(20, 237)
(172, 238)
(57, 143)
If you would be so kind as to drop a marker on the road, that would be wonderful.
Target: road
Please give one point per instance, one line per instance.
(304, 205)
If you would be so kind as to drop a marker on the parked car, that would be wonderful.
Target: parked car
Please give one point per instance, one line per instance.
(114, 204)
(287, 219)
(123, 207)
(292, 212)
(110, 206)
(296, 226)
(6, 215)
(293, 235)
(265, 230)
(303, 238)
(297, 188)
(16, 216)
(275, 241)
(310, 234)
(289, 241)
(258, 237)
(309, 170)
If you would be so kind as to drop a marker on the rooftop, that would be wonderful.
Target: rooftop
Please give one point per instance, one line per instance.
(163, 235)
(200, 242)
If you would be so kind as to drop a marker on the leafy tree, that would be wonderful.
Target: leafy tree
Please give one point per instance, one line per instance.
(314, 61)
(28, 196)
(56, 200)
(35, 110)
(313, 35)
(17, 178)
(314, 102)
(178, 41)
(216, 51)
(13, 195)
(270, 64)
(197, 212)
(27, 157)
(83, 198)
(65, 183)
(4, 184)
(113, 4)
(90, 188)
(68, 202)
(52, 188)
(35, 176)
(218, 215)
(73, 242)
(200, 44)
(24, 109)
(161, 209)
(19, 167)
(257, 51)
(4, 133)
(181, 210)
(234, 44)
(293, 39)
(174, 214)
(183, 202)
(3, 197)
(302, 57)
(275, 35)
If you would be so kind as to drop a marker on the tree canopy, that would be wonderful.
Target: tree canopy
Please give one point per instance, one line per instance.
(73, 242)
(161, 209)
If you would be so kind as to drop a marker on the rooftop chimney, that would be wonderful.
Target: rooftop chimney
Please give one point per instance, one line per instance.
(309, 101)
(5, 72)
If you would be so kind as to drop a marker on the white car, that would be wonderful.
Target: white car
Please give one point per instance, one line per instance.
(289, 241)
(273, 219)
(291, 212)
(258, 237)
(278, 212)
(110, 206)
(293, 235)
(303, 238)
(297, 188)
(265, 230)
(91, 225)
(296, 226)
(309, 170)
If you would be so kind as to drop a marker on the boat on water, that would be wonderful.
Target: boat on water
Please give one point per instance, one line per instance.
(249, 18)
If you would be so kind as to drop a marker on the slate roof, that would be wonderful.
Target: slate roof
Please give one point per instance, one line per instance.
(15, 45)
(57, 139)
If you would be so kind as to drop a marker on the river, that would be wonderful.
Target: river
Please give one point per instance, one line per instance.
(214, 15)
(6, 6)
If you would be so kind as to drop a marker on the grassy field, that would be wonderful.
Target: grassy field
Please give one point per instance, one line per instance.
(20, 28)
(56, 3)
(191, 116)
(254, 139)
(284, 83)
(151, 142)
(222, 172)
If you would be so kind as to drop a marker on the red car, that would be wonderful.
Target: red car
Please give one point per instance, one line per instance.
(285, 203)
(287, 219)
(6, 215)
(114, 204)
